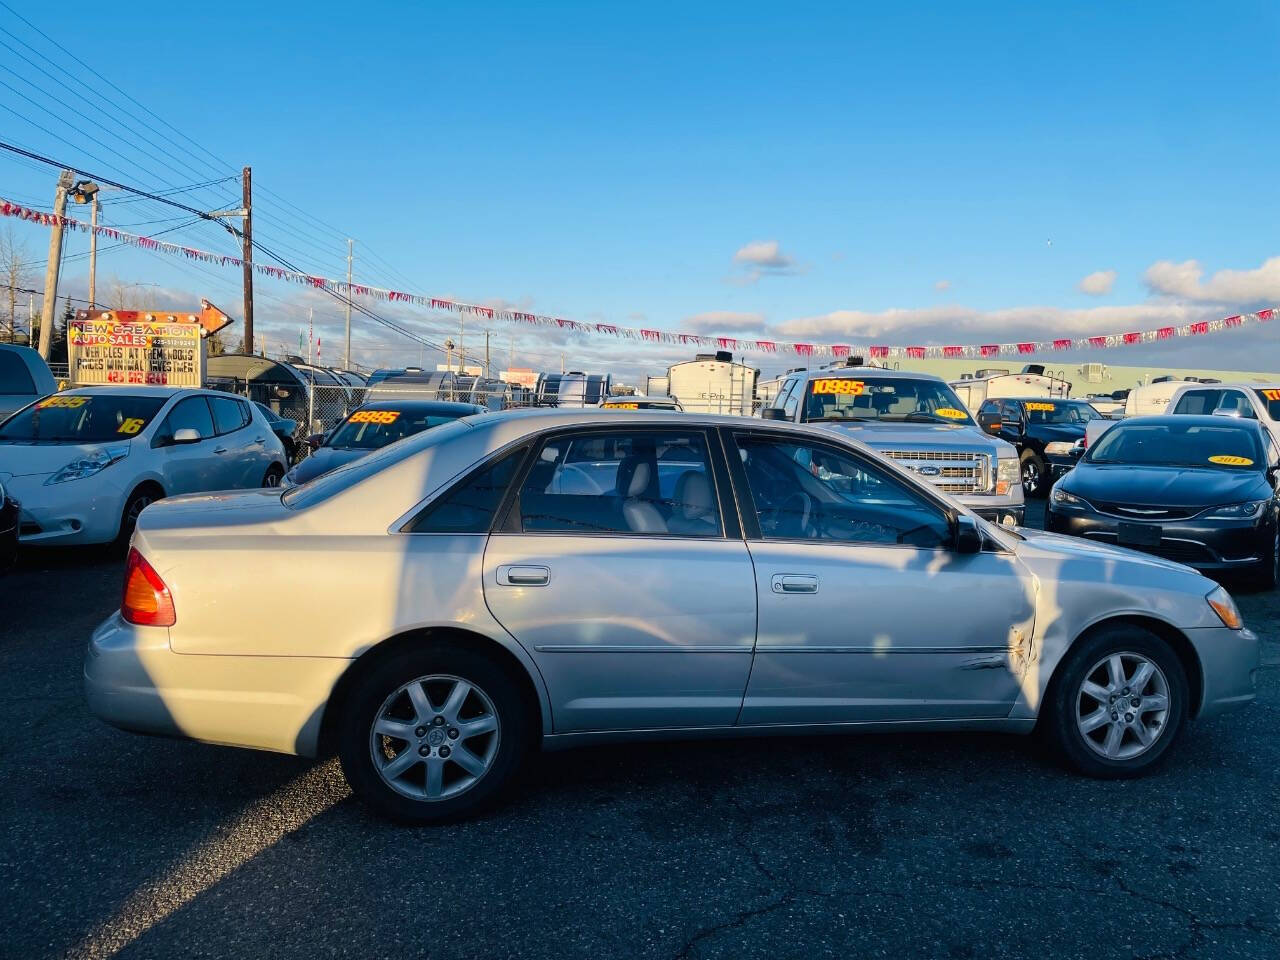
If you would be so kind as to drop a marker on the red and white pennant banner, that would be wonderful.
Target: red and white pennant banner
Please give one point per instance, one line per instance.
(738, 345)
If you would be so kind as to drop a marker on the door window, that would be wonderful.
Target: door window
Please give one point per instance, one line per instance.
(229, 414)
(191, 413)
(651, 482)
(792, 401)
(469, 507)
(805, 491)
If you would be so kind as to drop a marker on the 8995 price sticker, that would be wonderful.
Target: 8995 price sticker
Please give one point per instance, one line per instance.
(374, 416)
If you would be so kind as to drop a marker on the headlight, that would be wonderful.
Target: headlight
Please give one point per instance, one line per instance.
(1008, 473)
(1060, 448)
(1236, 511)
(1065, 499)
(1225, 608)
(89, 464)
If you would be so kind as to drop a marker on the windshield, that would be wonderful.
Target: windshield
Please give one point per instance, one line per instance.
(1060, 411)
(371, 429)
(1271, 400)
(81, 418)
(894, 400)
(1173, 445)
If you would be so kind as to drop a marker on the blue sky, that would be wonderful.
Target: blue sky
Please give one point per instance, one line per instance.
(964, 166)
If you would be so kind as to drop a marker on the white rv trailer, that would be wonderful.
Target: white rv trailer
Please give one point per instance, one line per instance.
(714, 383)
(990, 384)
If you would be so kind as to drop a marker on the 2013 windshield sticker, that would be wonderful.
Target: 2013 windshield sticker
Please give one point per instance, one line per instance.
(374, 416)
(951, 413)
(1228, 461)
(841, 386)
(1046, 407)
(69, 403)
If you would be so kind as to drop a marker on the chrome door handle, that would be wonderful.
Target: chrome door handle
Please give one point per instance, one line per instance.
(516, 575)
(219, 449)
(794, 583)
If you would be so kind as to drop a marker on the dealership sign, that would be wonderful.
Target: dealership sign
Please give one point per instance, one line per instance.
(131, 347)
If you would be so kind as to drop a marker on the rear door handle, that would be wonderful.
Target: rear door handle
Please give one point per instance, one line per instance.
(518, 575)
(794, 583)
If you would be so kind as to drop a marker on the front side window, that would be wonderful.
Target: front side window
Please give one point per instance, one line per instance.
(634, 482)
(891, 399)
(790, 399)
(469, 507)
(81, 418)
(804, 491)
(189, 414)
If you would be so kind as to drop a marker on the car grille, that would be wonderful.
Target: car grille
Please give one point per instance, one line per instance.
(1142, 511)
(1180, 551)
(951, 471)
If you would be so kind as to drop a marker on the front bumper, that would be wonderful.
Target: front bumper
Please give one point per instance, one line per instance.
(1203, 544)
(995, 508)
(75, 512)
(134, 681)
(8, 533)
(1229, 662)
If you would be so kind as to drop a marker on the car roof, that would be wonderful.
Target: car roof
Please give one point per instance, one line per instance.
(424, 406)
(1239, 385)
(868, 373)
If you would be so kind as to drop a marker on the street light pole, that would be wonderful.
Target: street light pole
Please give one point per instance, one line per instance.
(93, 250)
(346, 357)
(52, 268)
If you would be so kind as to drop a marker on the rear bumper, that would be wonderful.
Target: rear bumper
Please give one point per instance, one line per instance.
(134, 681)
(1203, 544)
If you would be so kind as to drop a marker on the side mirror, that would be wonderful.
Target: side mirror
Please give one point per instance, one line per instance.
(966, 538)
(773, 413)
(989, 422)
(186, 435)
(316, 440)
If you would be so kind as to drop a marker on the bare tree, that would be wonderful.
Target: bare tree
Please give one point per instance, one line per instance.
(15, 270)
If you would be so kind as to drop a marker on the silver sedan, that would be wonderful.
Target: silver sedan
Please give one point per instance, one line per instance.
(540, 579)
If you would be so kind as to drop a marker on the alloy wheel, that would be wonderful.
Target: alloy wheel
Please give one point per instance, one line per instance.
(136, 506)
(435, 737)
(1030, 477)
(1122, 707)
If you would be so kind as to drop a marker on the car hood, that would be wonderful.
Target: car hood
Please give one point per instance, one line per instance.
(37, 459)
(1050, 432)
(1166, 486)
(917, 436)
(322, 461)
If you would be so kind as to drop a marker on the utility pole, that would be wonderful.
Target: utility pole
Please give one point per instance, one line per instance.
(562, 361)
(92, 252)
(346, 357)
(462, 334)
(246, 183)
(486, 354)
(65, 182)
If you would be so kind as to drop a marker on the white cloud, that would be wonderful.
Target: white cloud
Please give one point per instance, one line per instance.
(1098, 283)
(765, 255)
(1236, 287)
(726, 321)
(942, 286)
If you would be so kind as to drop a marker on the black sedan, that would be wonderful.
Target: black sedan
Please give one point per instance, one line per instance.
(371, 427)
(1198, 490)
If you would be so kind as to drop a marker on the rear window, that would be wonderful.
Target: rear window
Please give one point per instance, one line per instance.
(81, 418)
(229, 414)
(15, 379)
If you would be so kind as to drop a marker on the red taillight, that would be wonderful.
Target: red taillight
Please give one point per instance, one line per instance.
(146, 600)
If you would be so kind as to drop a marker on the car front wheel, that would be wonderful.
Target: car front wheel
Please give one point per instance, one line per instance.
(1118, 704)
(432, 733)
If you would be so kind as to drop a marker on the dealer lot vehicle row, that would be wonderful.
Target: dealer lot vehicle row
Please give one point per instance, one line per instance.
(541, 578)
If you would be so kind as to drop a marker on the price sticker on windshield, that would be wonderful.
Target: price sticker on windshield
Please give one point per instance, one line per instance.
(1227, 461)
(1271, 394)
(131, 425)
(622, 406)
(1046, 407)
(951, 413)
(841, 386)
(374, 416)
(69, 403)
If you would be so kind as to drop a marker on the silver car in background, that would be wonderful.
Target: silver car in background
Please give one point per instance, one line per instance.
(551, 578)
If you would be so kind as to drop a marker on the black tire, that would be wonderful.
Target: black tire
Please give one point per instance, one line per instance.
(366, 701)
(145, 495)
(273, 476)
(1059, 712)
(1032, 466)
(1268, 572)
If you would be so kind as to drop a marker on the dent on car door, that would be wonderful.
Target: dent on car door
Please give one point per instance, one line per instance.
(865, 612)
(615, 569)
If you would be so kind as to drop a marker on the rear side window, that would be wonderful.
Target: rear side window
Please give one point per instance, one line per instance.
(15, 379)
(229, 414)
(469, 507)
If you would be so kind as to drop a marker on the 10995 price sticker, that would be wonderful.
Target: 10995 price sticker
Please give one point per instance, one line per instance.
(374, 416)
(841, 386)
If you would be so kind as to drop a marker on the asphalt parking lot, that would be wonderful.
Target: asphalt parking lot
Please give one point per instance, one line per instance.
(929, 846)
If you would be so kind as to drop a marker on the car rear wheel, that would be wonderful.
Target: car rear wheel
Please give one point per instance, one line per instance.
(273, 476)
(1118, 703)
(432, 733)
(1034, 476)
